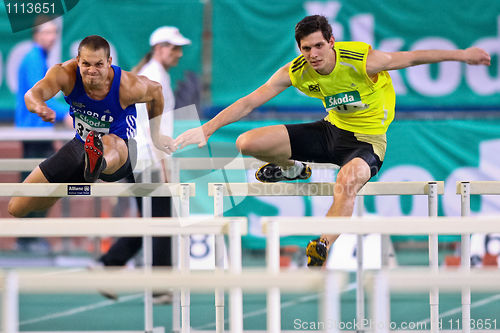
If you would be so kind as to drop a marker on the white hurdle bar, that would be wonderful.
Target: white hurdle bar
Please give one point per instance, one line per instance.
(10, 133)
(181, 163)
(117, 226)
(418, 279)
(93, 189)
(465, 189)
(183, 191)
(445, 225)
(256, 280)
(64, 227)
(276, 226)
(432, 189)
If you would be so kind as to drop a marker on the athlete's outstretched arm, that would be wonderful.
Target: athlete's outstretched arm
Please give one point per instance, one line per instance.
(239, 109)
(378, 61)
(54, 81)
(143, 90)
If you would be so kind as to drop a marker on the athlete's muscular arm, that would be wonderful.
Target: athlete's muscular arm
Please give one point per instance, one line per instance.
(239, 109)
(139, 89)
(378, 61)
(58, 78)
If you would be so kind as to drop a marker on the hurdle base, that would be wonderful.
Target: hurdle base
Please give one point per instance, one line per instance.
(159, 329)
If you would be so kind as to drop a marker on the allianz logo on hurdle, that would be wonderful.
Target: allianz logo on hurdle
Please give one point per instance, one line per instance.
(78, 189)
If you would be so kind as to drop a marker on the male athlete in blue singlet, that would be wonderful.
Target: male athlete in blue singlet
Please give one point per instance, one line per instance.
(102, 101)
(352, 81)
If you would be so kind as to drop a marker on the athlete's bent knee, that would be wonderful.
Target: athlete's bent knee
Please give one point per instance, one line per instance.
(245, 144)
(14, 210)
(345, 190)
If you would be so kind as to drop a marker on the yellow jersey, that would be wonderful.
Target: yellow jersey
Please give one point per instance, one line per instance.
(354, 102)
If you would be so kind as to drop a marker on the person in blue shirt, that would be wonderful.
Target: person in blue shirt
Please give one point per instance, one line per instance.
(32, 69)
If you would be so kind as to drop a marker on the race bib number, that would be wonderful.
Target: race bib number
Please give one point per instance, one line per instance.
(347, 102)
(85, 124)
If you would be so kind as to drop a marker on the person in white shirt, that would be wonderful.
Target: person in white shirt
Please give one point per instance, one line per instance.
(166, 49)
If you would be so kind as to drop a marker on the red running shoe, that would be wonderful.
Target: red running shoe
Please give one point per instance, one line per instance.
(94, 159)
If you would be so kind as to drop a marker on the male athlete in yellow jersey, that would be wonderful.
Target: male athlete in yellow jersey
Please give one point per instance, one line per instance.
(351, 80)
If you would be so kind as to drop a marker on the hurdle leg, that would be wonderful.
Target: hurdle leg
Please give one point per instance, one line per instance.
(175, 246)
(236, 299)
(10, 303)
(184, 262)
(360, 292)
(219, 258)
(176, 299)
(147, 251)
(273, 266)
(330, 305)
(219, 292)
(381, 304)
(433, 259)
(465, 260)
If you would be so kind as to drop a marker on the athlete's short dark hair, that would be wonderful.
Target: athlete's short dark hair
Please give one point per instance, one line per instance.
(311, 24)
(95, 42)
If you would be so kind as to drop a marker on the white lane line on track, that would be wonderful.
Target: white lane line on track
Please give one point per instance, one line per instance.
(476, 304)
(284, 305)
(81, 309)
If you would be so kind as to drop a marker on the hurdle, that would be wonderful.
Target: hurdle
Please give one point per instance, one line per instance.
(465, 189)
(379, 283)
(432, 189)
(183, 191)
(251, 281)
(56, 227)
(276, 226)
(118, 226)
(410, 280)
(223, 163)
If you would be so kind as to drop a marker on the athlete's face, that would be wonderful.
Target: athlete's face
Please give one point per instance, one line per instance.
(94, 66)
(169, 55)
(318, 52)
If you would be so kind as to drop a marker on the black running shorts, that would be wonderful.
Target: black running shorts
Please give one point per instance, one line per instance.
(322, 142)
(68, 163)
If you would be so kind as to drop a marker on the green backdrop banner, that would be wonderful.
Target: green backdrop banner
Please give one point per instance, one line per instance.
(127, 25)
(253, 38)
